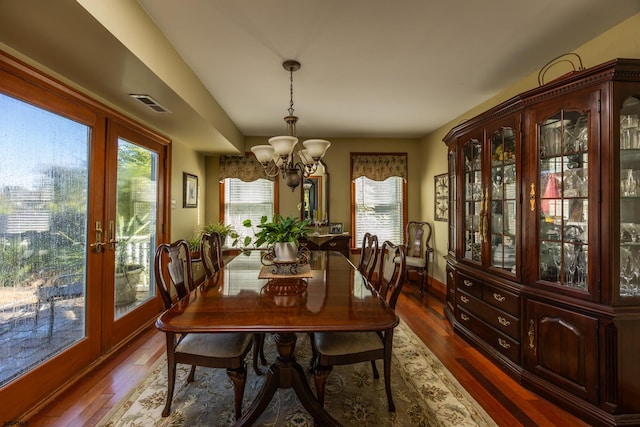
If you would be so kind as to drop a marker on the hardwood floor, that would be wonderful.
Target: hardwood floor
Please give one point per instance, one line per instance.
(504, 400)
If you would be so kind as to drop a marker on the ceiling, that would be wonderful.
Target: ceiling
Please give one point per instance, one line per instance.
(370, 68)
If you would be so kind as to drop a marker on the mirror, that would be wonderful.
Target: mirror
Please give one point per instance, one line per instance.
(315, 196)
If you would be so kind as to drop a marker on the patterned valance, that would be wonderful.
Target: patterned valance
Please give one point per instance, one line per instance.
(378, 167)
(245, 168)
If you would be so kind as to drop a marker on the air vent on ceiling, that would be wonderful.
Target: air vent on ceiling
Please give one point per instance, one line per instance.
(149, 102)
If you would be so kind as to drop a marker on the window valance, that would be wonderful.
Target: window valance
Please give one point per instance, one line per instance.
(379, 167)
(245, 168)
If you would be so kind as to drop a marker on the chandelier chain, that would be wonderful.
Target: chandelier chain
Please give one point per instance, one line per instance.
(291, 92)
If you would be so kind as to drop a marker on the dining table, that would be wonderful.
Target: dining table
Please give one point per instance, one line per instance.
(326, 294)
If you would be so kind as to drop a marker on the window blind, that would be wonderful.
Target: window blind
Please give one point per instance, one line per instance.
(379, 209)
(247, 200)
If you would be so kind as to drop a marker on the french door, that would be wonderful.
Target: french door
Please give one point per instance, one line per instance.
(82, 195)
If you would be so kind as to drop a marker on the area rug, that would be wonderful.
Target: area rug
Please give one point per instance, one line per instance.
(424, 391)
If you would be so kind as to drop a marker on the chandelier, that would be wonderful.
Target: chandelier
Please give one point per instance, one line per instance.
(279, 157)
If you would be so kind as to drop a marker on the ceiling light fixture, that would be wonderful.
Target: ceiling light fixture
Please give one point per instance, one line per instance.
(278, 156)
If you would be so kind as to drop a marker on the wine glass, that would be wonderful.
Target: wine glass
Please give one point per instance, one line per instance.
(626, 272)
(572, 264)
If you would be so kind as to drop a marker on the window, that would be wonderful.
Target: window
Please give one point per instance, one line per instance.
(378, 196)
(247, 200)
(379, 209)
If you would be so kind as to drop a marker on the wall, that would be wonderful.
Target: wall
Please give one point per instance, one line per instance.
(185, 221)
(622, 41)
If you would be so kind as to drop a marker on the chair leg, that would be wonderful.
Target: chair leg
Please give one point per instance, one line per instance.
(314, 353)
(388, 344)
(258, 350)
(320, 375)
(263, 359)
(192, 374)
(374, 368)
(171, 382)
(239, 378)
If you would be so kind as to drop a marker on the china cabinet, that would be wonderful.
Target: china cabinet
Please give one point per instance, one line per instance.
(543, 266)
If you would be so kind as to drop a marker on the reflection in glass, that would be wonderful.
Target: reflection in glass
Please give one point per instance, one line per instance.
(135, 226)
(44, 177)
(629, 259)
(564, 188)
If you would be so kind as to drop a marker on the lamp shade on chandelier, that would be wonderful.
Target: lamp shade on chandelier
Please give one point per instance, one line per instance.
(280, 155)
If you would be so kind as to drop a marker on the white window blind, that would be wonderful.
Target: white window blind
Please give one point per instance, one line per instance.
(378, 209)
(247, 200)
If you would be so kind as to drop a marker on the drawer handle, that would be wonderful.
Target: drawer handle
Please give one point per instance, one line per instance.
(464, 317)
(504, 344)
(503, 321)
(467, 283)
(498, 297)
(464, 299)
(452, 291)
(332, 244)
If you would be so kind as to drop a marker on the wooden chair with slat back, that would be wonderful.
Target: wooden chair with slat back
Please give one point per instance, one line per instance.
(212, 261)
(418, 248)
(224, 350)
(211, 252)
(345, 348)
(368, 255)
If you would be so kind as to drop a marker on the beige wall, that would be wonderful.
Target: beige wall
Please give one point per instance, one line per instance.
(185, 221)
(622, 41)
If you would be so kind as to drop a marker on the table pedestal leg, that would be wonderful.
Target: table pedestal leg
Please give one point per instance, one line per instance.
(286, 373)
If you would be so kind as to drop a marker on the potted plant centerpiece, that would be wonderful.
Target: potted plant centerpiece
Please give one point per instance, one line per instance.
(282, 234)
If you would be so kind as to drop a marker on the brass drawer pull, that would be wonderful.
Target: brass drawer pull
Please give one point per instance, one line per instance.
(467, 283)
(464, 317)
(332, 244)
(498, 297)
(464, 299)
(503, 321)
(504, 344)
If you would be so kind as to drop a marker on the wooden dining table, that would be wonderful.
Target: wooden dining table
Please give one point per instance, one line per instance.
(333, 296)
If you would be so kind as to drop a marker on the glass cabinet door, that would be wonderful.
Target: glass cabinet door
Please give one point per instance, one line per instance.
(503, 199)
(452, 202)
(563, 185)
(474, 201)
(630, 198)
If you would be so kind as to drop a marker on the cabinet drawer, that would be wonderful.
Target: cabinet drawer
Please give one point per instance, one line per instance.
(504, 344)
(466, 301)
(336, 245)
(504, 300)
(469, 285)
(499, 319)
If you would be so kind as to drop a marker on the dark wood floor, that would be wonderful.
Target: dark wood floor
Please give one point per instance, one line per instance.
(504, 400)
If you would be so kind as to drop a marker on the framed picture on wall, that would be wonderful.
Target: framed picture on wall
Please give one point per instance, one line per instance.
(189, 190)
(441, 195)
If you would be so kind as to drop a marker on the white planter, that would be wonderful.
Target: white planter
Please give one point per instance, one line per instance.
(285, 251)
(126, 284)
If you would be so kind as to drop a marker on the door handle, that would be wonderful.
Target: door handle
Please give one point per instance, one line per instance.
(98, 245)
(112, 236)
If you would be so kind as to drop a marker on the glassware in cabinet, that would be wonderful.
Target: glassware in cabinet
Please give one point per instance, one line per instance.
(474, 201)
(629, 258)
(563, 183)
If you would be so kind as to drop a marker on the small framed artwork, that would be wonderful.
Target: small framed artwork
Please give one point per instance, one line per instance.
(441, 195)
(189, 190)
(335, 227)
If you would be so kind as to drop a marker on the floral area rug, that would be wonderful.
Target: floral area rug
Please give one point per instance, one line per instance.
(424, 391)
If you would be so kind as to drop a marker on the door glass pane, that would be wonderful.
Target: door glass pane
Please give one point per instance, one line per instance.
(135, 227)
(452, 201)
(43, 235)
(630, 198)
(473, 200)
(503, 196)
(563, 186)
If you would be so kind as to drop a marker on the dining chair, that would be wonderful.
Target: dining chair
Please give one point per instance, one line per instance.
(346, 348)
(211, 252)
(418, 234)
(368, 255)
(212, 261)
(172, 270)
